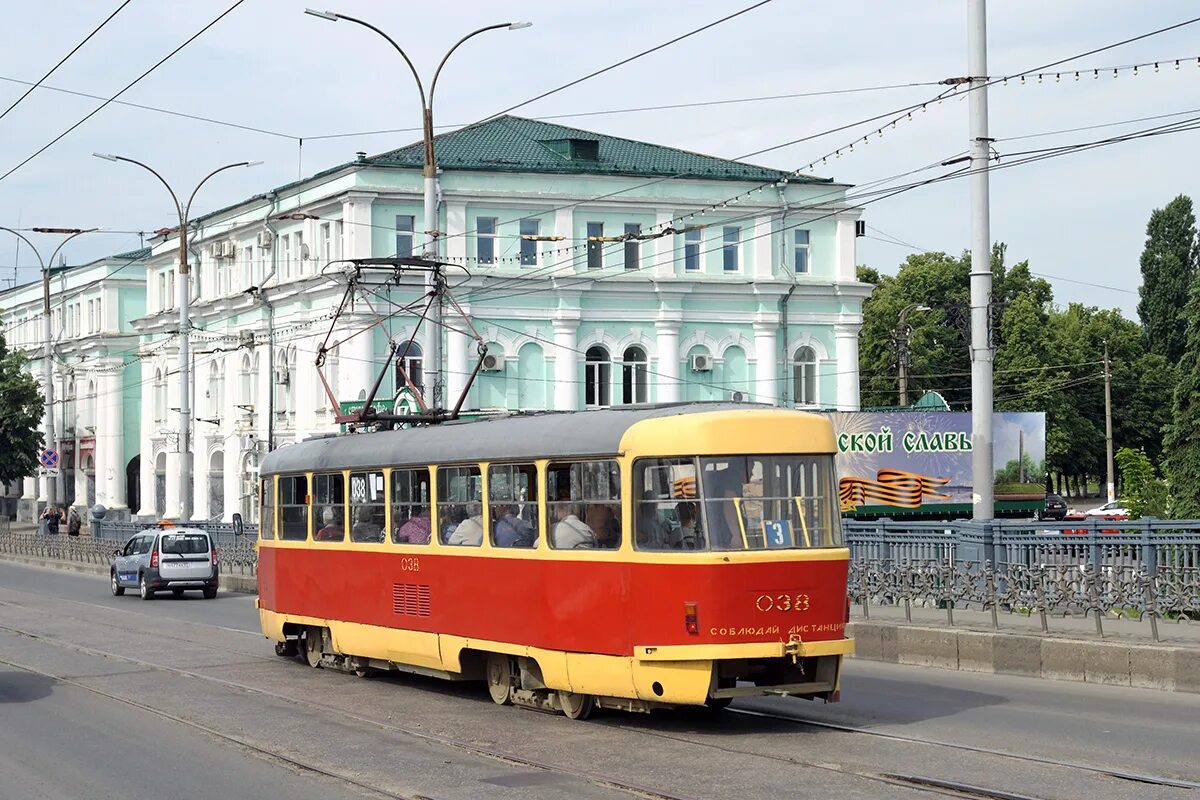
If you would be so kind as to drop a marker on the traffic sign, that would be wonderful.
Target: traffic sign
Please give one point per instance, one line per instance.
(48, 458)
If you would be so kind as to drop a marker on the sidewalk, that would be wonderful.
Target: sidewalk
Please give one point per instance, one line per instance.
(230, 583)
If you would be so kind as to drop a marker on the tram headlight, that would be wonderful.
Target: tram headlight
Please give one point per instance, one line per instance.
(690, 619)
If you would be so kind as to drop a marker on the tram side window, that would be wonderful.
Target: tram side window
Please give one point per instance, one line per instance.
(668, 515)
(366, 498)
(329, 506)
(293, 508)
(266, 516)
(584, 504)
(411, 518)
(512, 496)
(460, 506)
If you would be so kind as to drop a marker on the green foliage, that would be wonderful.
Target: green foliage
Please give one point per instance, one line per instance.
(21, 407)
(1182, 443)
(1024, 471)
(1169, 266)
(1145, 494)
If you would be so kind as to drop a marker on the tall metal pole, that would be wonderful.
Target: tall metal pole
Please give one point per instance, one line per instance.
(981, 266)
(902, 333)
(1108, 437)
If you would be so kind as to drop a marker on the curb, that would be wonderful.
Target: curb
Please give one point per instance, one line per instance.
(1144, 666)
(243, 584)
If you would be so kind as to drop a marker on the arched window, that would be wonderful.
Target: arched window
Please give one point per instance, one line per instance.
(69, 407)
(597, 378)
(246, 382)
(89, 406)
(804, 376)
(633, 376)
(213, 391)
(410, 367)
(216, 485)
(160, 396)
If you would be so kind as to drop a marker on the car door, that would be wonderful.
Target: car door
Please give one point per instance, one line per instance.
(124, 562)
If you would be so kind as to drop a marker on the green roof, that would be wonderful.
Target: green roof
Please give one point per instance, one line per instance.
(517, 144)
(134, 255)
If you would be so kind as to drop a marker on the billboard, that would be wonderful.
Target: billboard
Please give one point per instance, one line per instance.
(913, 462)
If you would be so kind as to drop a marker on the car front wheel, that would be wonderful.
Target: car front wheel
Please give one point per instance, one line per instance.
(117, 588)
(144, 589)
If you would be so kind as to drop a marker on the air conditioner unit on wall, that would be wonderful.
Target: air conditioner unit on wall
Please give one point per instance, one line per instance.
(228, 250)
(492, 362)
(702, 363)
(265, 238)
(214, 250)
(737, 397)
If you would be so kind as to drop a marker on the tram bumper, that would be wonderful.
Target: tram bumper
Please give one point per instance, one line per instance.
(696, 674)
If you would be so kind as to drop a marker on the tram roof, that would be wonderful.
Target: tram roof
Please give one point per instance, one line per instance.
(520, 437)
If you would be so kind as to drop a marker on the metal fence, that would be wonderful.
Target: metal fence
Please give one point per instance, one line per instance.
(238, 557)
(1144, 569)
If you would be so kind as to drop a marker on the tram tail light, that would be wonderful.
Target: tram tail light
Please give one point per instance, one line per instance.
(690, 620)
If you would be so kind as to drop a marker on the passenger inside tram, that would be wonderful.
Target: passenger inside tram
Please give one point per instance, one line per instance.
(366, 527)
(569, 531)
(605, 523)
(331, 530)
(687, 536)
(653, 532)
(509, 530)
(469, 532)
(414, 530)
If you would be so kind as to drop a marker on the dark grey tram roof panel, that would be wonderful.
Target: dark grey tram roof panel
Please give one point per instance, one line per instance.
(516, 437)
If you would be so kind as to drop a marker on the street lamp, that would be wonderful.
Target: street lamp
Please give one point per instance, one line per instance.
(185, 470)
(433, 335)
(47, 350)
(902, 334)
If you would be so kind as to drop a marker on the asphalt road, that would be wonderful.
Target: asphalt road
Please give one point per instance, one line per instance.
(191, 681)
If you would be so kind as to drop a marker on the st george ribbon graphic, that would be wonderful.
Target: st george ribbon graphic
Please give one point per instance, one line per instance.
(891, 487)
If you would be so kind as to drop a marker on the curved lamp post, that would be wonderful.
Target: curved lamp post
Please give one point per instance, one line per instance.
(433, 337)
(185, 411)
(902, 334)
(52, 486)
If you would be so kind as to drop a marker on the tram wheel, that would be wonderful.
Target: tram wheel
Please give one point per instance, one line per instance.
(312, 647)
(499, 678)
(576, 706)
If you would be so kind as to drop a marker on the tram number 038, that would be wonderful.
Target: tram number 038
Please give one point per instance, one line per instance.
(782, 602)
(410, 564)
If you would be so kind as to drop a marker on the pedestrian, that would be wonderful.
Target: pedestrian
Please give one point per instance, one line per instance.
(73, 522)
(52, 518)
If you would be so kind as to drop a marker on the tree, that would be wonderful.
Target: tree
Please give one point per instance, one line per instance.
(1169, 265)
(1182, 442)
(1145, 493)
(21, 408)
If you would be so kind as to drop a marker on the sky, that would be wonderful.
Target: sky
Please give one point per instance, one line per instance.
(1079, 219)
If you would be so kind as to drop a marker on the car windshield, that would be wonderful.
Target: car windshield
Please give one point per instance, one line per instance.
(184, 543)
(736, 503)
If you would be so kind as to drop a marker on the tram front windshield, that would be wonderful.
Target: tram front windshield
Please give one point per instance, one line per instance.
(736, 503)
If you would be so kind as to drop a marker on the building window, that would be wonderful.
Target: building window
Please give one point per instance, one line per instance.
(691, 249)
(804, 376)
(299, 242)
(99, 315)
(286, 255)
(633, 376)
(410, 367)
(731, 242)
(248, 267)
(485, 240)
(404, 235)
(326, 245)
(801, 251)
(529, 227)
(160, 397)
(595, 247)
(632, 246)
(597, 377)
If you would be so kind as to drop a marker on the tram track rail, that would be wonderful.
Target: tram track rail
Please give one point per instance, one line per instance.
(925, 784)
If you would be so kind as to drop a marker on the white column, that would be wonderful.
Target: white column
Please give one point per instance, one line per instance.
(29, 489)
(843, 248)
(80, 475)
(356, 232)
(766, 366)
(200, 468)
(309, 393)
(846, 337)
(459, 360)
(456, 225)
(233, 479)
(356, 371)
(566, 360)
(110, 441)
(667, 330)
(174, 456)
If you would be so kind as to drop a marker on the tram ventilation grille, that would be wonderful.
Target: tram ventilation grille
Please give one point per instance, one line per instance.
(410, 599)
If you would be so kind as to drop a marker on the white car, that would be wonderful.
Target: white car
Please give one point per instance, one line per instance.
(1113, 509)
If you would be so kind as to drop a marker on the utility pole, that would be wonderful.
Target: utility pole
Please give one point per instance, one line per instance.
(185, 324)
(981, 266)
(48, 345)
(902, 333)
(1108, 437)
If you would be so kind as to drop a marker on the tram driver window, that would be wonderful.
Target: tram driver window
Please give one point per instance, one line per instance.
(460, 506)
(266, 515)
(411, 518)
(512, 497)
(366, 498)
(329, 506)
(668, 515)
(293, 508)
(584, 505)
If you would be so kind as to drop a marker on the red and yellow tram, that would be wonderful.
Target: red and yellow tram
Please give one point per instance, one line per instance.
(627, 558)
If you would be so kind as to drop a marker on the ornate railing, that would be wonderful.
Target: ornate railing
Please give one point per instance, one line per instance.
(1146, 570)
(237, 558)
